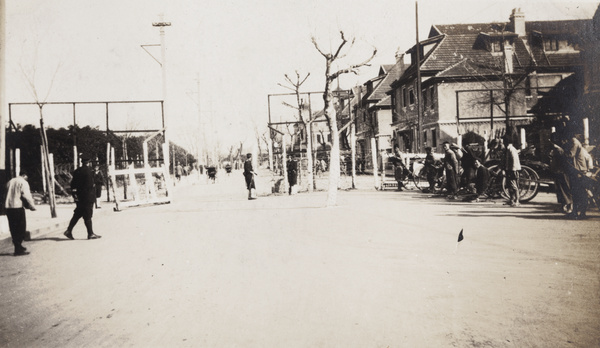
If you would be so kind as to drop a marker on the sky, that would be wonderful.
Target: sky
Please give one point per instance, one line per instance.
(223, 57)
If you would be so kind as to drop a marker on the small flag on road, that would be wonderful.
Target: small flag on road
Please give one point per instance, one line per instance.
(460, 235)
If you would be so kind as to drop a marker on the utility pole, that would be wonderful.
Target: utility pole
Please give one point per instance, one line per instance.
(419, 93)
(163, 64)
(200, 137)
(3, 104)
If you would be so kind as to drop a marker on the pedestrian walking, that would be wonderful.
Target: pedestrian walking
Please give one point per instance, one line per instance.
(249, 176)
(98, 183)
(512, 165)
(82, 188)
(18, 198)
(451, 168)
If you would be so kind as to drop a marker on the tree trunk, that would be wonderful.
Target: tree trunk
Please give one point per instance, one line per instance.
(334, 157)
(49, 179)
(309, 159)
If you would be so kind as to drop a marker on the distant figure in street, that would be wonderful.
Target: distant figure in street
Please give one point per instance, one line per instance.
(292, 171)
(178, 171)
(512, 165)
(451, 168)
(98, 183)
(430, 169)
(18, 198)
(82, 188)
(249, 176)
(399, 168)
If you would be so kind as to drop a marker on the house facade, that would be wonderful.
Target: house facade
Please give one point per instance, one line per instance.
(373, 110)
(477, 79)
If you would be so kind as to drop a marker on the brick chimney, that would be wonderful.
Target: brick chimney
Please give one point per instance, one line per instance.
(400, 57)
(517, 22)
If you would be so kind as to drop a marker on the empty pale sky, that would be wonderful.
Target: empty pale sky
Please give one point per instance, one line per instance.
(235, 51)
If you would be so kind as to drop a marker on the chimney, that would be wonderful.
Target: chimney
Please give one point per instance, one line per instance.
(517, 22)
(400, 57)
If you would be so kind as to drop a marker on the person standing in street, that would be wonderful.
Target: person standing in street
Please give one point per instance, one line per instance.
(292, 171)
(82, 187)
(512, 165)
(249, 176)
(98, 182)
(451, 168)
(579, 166)
(18, 198)
(558, 167)
(399, 167)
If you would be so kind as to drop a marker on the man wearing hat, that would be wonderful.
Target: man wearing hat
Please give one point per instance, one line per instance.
(82, 188)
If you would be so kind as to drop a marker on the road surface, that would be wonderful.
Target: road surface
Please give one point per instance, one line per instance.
(381, 269)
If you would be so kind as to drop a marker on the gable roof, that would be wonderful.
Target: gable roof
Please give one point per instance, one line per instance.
(380, 91)
(460, 48)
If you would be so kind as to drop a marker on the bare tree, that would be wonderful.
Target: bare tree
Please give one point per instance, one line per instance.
(30, 78)
(306, 124)
(330, 112)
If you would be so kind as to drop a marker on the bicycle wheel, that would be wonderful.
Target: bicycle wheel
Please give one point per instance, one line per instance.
(420, 179)
(593, 192)
(496, 184)
(528, 184)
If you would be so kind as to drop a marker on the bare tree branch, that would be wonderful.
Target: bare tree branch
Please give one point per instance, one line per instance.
(353, 68)
(326, 55)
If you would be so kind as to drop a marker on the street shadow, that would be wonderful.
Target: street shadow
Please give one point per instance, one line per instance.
(7, 254)
(56, 239)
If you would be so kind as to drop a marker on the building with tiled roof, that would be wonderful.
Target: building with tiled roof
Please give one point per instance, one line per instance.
(471, 74)
(374, 111)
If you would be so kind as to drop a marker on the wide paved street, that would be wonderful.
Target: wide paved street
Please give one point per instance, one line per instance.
(381, 269)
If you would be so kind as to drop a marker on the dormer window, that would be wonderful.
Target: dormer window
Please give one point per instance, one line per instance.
(495, 46)
(551, 44)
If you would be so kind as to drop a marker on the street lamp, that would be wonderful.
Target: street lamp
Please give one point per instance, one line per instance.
(163, 64)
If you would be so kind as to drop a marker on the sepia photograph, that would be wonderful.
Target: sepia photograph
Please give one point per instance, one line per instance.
(299, 174)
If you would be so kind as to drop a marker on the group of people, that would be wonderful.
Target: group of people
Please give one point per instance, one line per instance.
(85, 187)
(463, 168)
(572, 167)
(475, 174)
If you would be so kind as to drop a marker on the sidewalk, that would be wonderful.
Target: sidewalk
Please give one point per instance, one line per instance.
(40, 221)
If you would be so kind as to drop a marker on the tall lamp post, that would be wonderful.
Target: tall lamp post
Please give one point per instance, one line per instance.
(163, 63)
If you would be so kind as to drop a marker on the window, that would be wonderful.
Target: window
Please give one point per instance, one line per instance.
(433, 138)
(425, 138)
(431, 97)
(404, 97)
(411, 96)
(528, 87)
(425, 98)
(550, 44)
(495, 46)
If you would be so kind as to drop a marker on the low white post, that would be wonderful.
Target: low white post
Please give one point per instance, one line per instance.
(374, 159)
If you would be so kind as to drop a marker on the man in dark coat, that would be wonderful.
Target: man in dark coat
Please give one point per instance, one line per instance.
(292, 170)
(451, 168)
(84, 193)
(249, 176)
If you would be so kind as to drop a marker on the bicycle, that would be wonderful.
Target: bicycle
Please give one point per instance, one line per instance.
(529, 183)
